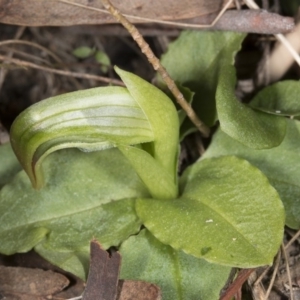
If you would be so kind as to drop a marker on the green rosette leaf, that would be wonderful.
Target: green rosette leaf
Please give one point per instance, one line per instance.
(228, 214)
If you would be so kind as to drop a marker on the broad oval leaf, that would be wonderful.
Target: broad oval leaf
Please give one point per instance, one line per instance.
(180, 276)
(281, 98)
(228, 214)
(82, 200)
(67, 243)
(252, 128)
(92, 119)
(279, 164)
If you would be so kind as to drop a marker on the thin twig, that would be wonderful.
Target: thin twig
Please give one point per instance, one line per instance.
(237, 284)
(50, 53)
(158, 67)
(288, 272)
(27, 56)
(280, 37)
(276, 266)
(3, 72)
(28, 43)
(257, 291)
(284, 247)
(61, 72)
(237, 4)
(262, 275)
(292, 240)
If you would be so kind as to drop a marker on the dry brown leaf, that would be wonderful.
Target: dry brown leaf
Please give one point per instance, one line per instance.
(24, 283)
(103, 276)
(103, 280)
(33, 261)
(138, 290)
(55, 13)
